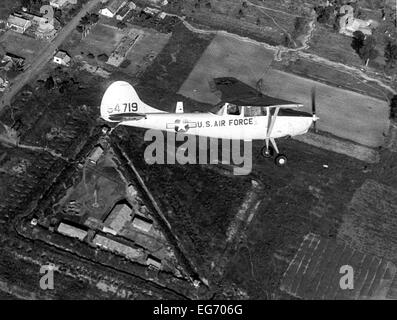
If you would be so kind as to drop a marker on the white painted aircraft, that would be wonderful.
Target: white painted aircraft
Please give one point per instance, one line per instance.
(244, 114)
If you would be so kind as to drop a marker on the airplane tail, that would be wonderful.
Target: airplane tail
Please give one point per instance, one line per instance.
(120, 102)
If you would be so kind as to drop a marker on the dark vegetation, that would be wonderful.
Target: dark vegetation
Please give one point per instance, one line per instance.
(199, 203)
(393, 108)
(146, 20)
(364, 46)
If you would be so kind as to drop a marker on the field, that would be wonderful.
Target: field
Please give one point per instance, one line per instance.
(104, 38)
(332, 76)
(6, 6)
(145, 49)
(314, 273)
(257, 20)
(101, 39)
(369, 226)
(343, 113)
(21, 45)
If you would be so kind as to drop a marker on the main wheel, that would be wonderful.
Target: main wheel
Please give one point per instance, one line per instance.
(281, 160)
(267, 153)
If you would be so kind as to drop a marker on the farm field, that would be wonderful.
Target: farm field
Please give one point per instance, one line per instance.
(343, 113)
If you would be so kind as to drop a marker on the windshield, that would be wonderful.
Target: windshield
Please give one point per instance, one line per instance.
(217, 107)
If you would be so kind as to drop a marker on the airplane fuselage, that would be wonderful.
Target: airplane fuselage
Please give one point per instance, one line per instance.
(225, 126)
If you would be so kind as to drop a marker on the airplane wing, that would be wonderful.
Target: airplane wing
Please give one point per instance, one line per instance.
(237, 92)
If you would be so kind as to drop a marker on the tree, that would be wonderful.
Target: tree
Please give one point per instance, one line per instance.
(49, 84)
(324, 14)
(121, 25)
(80, 28)
(94, 18)
(125, 63)
(103, 57)
(391, 54)
(368, 51)
(357, 41)
(2, 50)
(85, 21)
(393, 108)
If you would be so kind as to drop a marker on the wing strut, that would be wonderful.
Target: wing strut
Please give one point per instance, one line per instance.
(270, 124)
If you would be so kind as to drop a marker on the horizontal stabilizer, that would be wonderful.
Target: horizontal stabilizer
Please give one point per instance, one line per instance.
(126, 116)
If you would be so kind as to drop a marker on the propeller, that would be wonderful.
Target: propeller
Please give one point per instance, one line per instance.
(313, 98)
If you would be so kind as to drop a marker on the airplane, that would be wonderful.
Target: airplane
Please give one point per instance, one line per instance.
(243, 114)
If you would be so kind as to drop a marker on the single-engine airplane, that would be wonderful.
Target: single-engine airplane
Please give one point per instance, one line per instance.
(243, 114)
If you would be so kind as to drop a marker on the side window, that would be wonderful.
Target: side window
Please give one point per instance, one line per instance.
(233, 109)
(254, 111)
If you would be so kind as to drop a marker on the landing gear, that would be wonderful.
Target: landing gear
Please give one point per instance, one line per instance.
(281, 160)
(267, 152)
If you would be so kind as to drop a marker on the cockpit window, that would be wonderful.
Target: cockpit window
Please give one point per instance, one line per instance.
(233, 109)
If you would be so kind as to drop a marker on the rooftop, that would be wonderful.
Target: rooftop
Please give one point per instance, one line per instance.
(115, 5)
(17, 21)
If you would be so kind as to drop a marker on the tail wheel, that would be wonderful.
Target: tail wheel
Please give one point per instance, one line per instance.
(267, 153)
(281, 160)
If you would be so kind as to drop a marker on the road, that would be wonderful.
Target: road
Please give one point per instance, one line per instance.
(44, 55)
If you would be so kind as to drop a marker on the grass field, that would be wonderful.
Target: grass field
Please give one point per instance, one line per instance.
(21, 45)
(101, 39)
(344, 113)
(258, 20)
(6, 6)
(145, 49)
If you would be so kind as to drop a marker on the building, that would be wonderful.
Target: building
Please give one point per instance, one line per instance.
(62, 58)
(158, 3)
(95, 154)
(128, 251)
(61, 3)
(131, 191)
(142, 223)
(151, 11)
(108, 230)
(9, 60)
(4, 83)
(71, 231)
(118, 217)
(18, 24)
(111, 9)
(348, 24)
(154, 262)
(122, 13)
